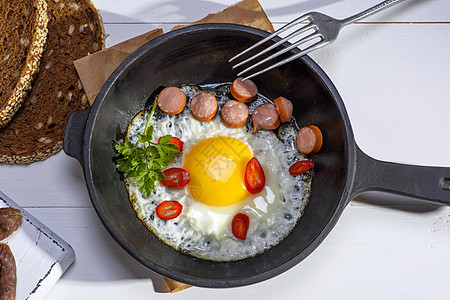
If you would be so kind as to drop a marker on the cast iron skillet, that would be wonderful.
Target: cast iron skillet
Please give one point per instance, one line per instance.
(197, 55)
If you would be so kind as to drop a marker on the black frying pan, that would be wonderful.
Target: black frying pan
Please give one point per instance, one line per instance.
(198, 55)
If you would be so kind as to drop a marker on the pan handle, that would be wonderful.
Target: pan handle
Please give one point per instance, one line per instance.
(426, 183)
(74, 133)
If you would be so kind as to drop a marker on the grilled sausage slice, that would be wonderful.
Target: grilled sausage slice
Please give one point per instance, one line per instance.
(204, 107)
(10, 219)
(234, 114)
(243, 90)
(309, 139)
(171, 100)
(8, 276)
(284, 109)
(265, 117)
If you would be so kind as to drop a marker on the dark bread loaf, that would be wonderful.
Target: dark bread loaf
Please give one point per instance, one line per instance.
(23, 32)
(37, 130)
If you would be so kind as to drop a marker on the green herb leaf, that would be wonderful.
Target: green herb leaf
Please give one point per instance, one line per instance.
(143, 138)
(170, 148)
(165, 139)
(143, 161)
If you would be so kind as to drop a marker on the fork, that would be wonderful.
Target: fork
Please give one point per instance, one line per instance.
(324, 27)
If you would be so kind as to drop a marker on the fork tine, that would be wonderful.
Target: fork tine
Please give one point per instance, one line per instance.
(305, 51)
(296, 44)
(325, 28)
(292, 35)
(282, 29)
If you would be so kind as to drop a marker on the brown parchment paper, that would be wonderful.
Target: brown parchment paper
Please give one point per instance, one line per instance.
(95, 69)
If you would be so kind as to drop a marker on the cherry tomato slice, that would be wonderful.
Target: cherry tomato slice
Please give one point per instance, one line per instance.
(239, 226)
(175, 141)
(254, 177)
(169, 210)
(301, 167)
(175, 177)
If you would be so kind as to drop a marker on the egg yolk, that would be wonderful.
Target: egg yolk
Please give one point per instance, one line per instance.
(216, 167)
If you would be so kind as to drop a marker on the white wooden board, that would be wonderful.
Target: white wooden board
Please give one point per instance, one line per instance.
(41, 256)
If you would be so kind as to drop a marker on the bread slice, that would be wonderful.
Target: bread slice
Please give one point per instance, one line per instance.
(35, 133)
(22, 35)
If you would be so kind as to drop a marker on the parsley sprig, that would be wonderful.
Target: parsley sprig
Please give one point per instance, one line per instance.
(144, 160)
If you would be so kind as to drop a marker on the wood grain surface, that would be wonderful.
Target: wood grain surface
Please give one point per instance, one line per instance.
(392, 71)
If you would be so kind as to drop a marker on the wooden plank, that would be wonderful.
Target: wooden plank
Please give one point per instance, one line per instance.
(394, 82)
(277, 11)
(122, 32)
(395, 248)
(57, 181)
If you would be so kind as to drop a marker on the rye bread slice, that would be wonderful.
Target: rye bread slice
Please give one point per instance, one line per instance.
(22, 35)
(35, 133)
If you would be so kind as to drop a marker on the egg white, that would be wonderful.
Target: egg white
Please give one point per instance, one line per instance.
(204, 231)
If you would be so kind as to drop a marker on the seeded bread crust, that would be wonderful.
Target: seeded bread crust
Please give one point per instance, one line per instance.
(37, 130)
(21, 51)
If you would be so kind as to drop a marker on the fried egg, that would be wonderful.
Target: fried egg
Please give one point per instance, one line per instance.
(215, 156)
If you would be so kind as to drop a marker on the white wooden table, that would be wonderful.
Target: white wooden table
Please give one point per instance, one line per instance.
(393, 73)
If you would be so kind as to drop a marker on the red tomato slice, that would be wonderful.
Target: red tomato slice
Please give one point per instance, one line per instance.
(239, 226)
(177, 142)
(254, 178)
(169, 210)
(175, 177)
(301, 167)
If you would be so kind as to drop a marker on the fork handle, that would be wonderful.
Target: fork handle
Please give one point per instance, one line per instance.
(370, 11)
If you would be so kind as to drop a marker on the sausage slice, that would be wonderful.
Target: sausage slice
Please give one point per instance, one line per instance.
(309, 139)
(265, 117)
(8, 275)
(234, 114)
(204, 107)
(171, 100)
(284, 109)
(243, 90)
(10, 219)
